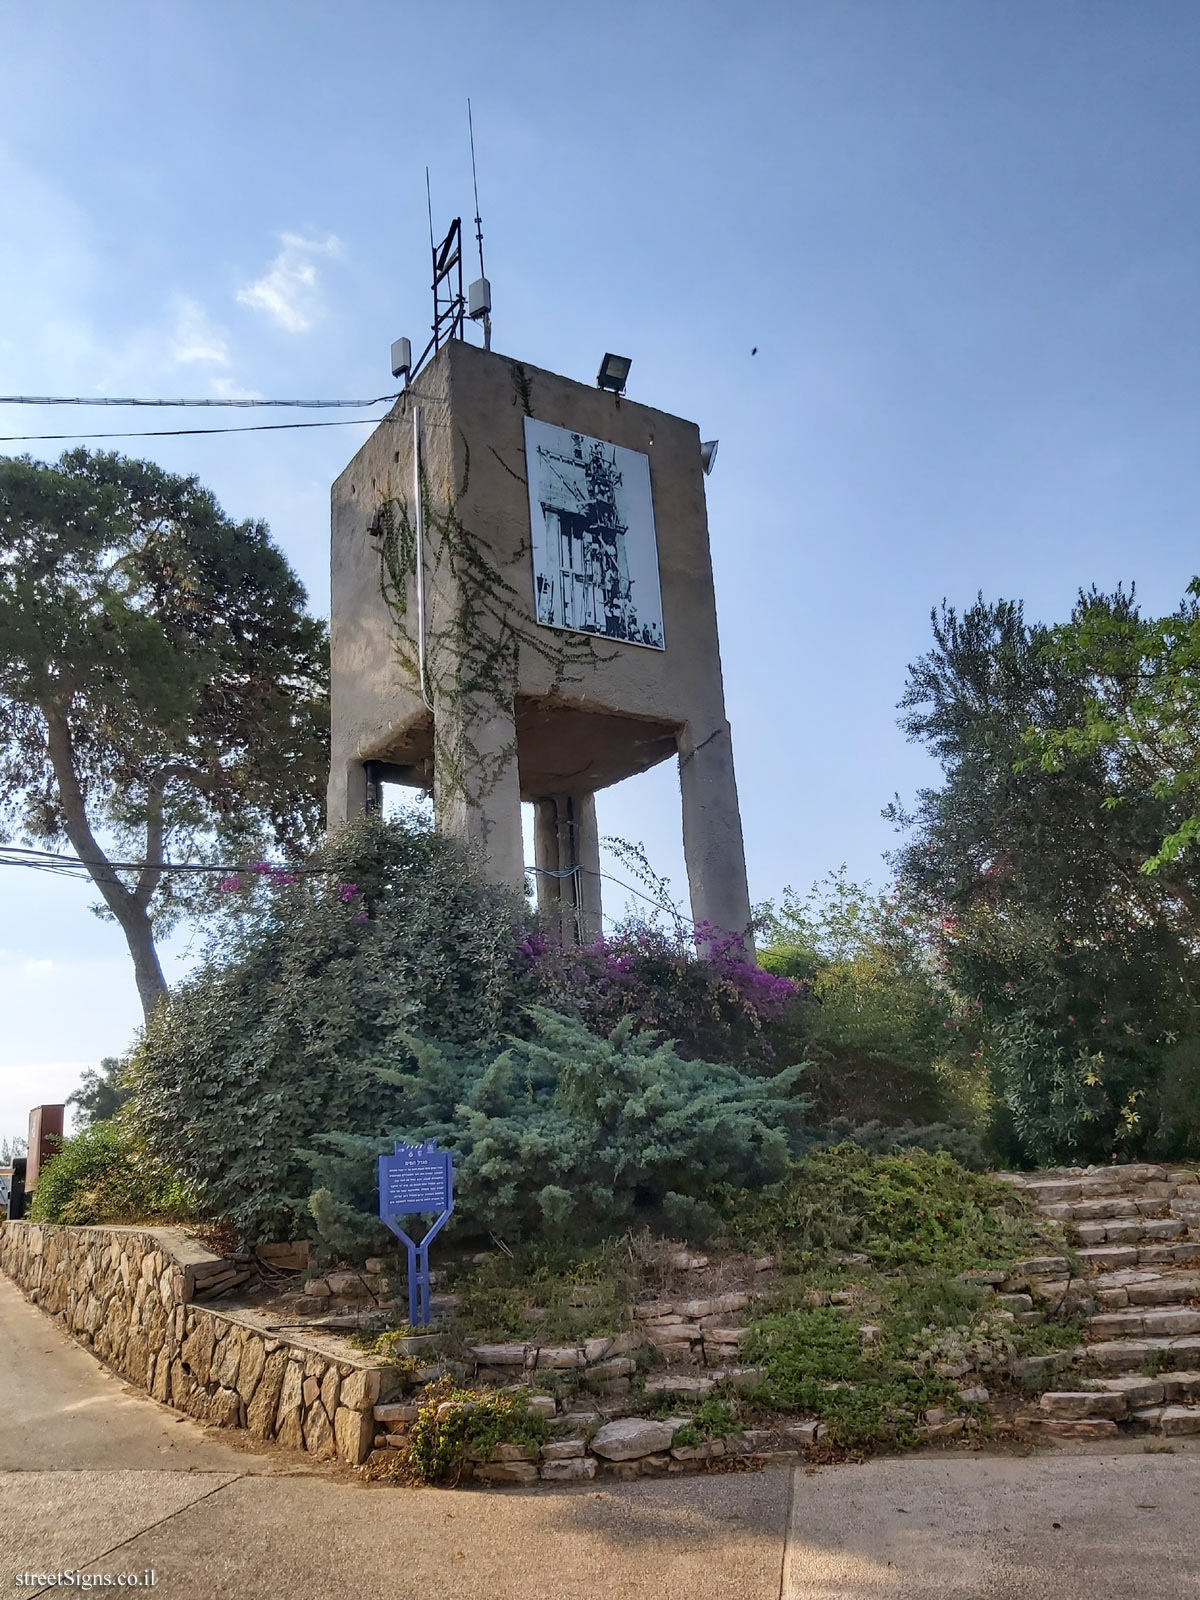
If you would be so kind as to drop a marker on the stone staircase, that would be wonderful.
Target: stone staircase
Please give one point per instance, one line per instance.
(1136, 1231)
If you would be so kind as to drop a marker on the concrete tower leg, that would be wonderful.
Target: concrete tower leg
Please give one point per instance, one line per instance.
(476, 790)
(567, 840)
(347, 798)
(712, 832)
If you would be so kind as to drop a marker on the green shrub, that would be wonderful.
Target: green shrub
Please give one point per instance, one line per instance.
(1057, 1105)
(1172, 1113)
(874, 1028)
(565, 1133)
(105, 1174)
(317, 1020)
(581, 1292)
(911, 1224)
(903, 1210)
(814, 1362)
(454, 1422)
(272, 1044)
(713, 1418)
(882, 1139)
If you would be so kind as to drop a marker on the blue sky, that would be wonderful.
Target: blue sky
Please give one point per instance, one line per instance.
(961, 236)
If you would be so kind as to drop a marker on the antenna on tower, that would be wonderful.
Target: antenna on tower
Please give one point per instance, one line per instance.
(479, 295)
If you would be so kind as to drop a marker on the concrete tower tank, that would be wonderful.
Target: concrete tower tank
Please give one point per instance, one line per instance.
(535, 621)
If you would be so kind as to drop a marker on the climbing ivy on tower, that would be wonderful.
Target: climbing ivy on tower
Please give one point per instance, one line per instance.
(473, 650)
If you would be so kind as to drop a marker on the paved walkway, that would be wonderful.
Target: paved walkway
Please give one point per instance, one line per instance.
(94, 1476)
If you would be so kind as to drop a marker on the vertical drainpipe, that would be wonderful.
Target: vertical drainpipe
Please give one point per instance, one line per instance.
(419, 503)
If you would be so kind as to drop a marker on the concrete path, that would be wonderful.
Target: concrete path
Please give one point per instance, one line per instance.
(97, 1478)
(1054, 1526)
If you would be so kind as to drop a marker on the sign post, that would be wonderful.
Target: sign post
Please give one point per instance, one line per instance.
(416, 1179)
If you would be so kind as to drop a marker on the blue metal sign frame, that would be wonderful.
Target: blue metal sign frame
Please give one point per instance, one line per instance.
(415, 1180)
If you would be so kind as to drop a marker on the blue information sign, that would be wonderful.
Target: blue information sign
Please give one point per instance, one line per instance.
(416, 1179)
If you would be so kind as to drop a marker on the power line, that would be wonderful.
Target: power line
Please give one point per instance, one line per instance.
(249, 427)
(75, 866)
(177, 433)
(576, 871)
(245, 402)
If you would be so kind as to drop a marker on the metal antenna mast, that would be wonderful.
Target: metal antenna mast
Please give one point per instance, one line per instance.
(475, 185)
(480, 306)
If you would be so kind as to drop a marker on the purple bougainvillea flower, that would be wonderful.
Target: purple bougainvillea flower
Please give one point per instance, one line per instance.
(617, 966)
(349, 892)
(363, 916)
(260, 866)
(229, 885)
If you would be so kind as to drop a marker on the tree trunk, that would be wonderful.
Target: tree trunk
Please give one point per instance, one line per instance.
(128, 907)
(139, 936)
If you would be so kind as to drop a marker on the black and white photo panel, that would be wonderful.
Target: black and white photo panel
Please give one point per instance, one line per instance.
(595, 554)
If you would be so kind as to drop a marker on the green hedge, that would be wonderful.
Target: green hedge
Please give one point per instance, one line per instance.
(565, 1132)
(105, 1174)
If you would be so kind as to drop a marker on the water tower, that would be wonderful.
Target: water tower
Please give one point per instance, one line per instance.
(523, 609)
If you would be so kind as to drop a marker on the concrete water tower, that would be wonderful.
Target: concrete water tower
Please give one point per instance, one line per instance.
(523, 609)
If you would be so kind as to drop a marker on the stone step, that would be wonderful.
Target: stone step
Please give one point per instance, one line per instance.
(1132, 1355)
(1164, 1387)
(1073, 1405)
(1166, 1289)
(1113, 1257)
(1118, 1209)
(1050, 1189)
(1128, 1230)
(1131, 1172)
(1108, 1258)
(1070, 1427)
(1072, 1294)
(1040, 1267)
(1170, 1421)
(1111, 1208)
(1167, 1405)
(689, 1386)
(1143, 1287)
(1136, 1390)
(1157, 1322)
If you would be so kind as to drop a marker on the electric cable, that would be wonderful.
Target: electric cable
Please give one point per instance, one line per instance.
(248, 427)
(570, 872)
(74, 866)
(176, 433)
(52, 861)
(246, 402)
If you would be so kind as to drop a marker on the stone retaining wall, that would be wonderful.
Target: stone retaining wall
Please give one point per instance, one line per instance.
(582, 1443)
(128, 1293)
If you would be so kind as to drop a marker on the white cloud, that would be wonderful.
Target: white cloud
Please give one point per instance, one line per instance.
(227, 389)
(287, 291)
(15, 967)
(195, 338)
(62, 344)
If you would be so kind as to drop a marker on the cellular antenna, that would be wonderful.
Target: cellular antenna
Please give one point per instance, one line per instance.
(479, 295)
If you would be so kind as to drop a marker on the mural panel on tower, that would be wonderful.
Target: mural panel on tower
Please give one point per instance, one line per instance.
(595, 554)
